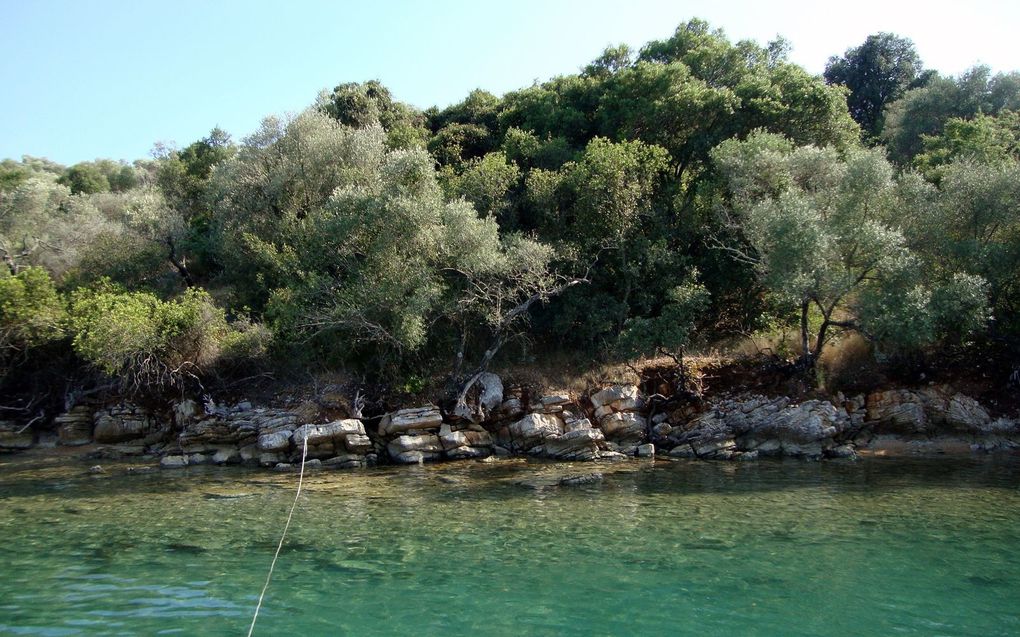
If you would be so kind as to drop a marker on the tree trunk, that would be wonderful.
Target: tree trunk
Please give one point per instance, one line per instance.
(806, 359)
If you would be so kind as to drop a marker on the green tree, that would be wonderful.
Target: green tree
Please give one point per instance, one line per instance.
(925, 110)
(31, 314)
(85, 178)
(486, 183)
(819, 230)
(985, 139)
(42, 224)
(877, 73)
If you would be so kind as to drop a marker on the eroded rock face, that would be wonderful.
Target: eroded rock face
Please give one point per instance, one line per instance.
(929, 411)
(122, 423)
(764, 426)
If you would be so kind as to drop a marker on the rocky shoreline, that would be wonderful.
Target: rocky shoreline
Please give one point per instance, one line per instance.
(615, 423)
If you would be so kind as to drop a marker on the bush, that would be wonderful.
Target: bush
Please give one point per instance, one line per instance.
(153, 346)
(31, 314)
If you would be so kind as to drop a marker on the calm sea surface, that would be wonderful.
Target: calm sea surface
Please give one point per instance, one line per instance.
(873, 547)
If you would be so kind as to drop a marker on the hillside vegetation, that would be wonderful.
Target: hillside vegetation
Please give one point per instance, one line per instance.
(689, 192)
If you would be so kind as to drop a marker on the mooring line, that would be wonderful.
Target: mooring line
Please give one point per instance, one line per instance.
(301, 479)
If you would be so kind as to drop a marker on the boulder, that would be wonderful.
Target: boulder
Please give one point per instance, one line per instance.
(357, 443)
(897, 411)
(227, 455)
(620, 426)
(173, 462)
(581, 479)
(426, 443)
(467, 438)
(328, 433)
(345, 461)
(619, 394)
(274, 442)
(417, 419)
(966, 414)
(580, 444)
(533, 428)
(187, 411)
(492, 392)
(468, 452)
(511, 408)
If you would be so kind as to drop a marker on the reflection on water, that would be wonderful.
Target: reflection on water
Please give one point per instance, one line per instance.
(873, 547)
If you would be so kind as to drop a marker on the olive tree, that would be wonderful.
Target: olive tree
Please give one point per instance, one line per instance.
(819, 228)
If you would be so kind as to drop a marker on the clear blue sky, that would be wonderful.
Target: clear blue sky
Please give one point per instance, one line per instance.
(93, 78)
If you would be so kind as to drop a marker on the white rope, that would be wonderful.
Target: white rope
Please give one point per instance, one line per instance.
(301, 479)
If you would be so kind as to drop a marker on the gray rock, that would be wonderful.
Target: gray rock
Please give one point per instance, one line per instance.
(268, 459)
(414, 457)
(492, 392)
(187, 411)
(533, 428)
(617, 393)
(682, 451)
(329, 433)
(113, 428)
(581, 479)
(173, 462)
(427, 443)
(467, 452)
(453, 439)
(662, 429)
(573, 445)
(842, 451)
(357, 443)
(404, 420)
(227, 455)
(512, 408)
(272, 442)
(899, 411)
(646, 451)
(75, 426)
(624, 426)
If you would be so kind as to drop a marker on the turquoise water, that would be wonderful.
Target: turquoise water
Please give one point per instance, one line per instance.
(874, 547)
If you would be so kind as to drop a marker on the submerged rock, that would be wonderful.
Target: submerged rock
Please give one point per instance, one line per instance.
(577, 480)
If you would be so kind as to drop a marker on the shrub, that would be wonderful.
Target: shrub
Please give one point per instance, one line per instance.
(153, 346)
(31, 314)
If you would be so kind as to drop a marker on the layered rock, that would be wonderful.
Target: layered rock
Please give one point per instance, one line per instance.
(129, 427)
(74, 427)
(15, 437)
(419, 435)
(761, 426)
(561, 435)
(618, 412)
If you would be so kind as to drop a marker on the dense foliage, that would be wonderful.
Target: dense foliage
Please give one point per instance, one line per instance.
(691, 190)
